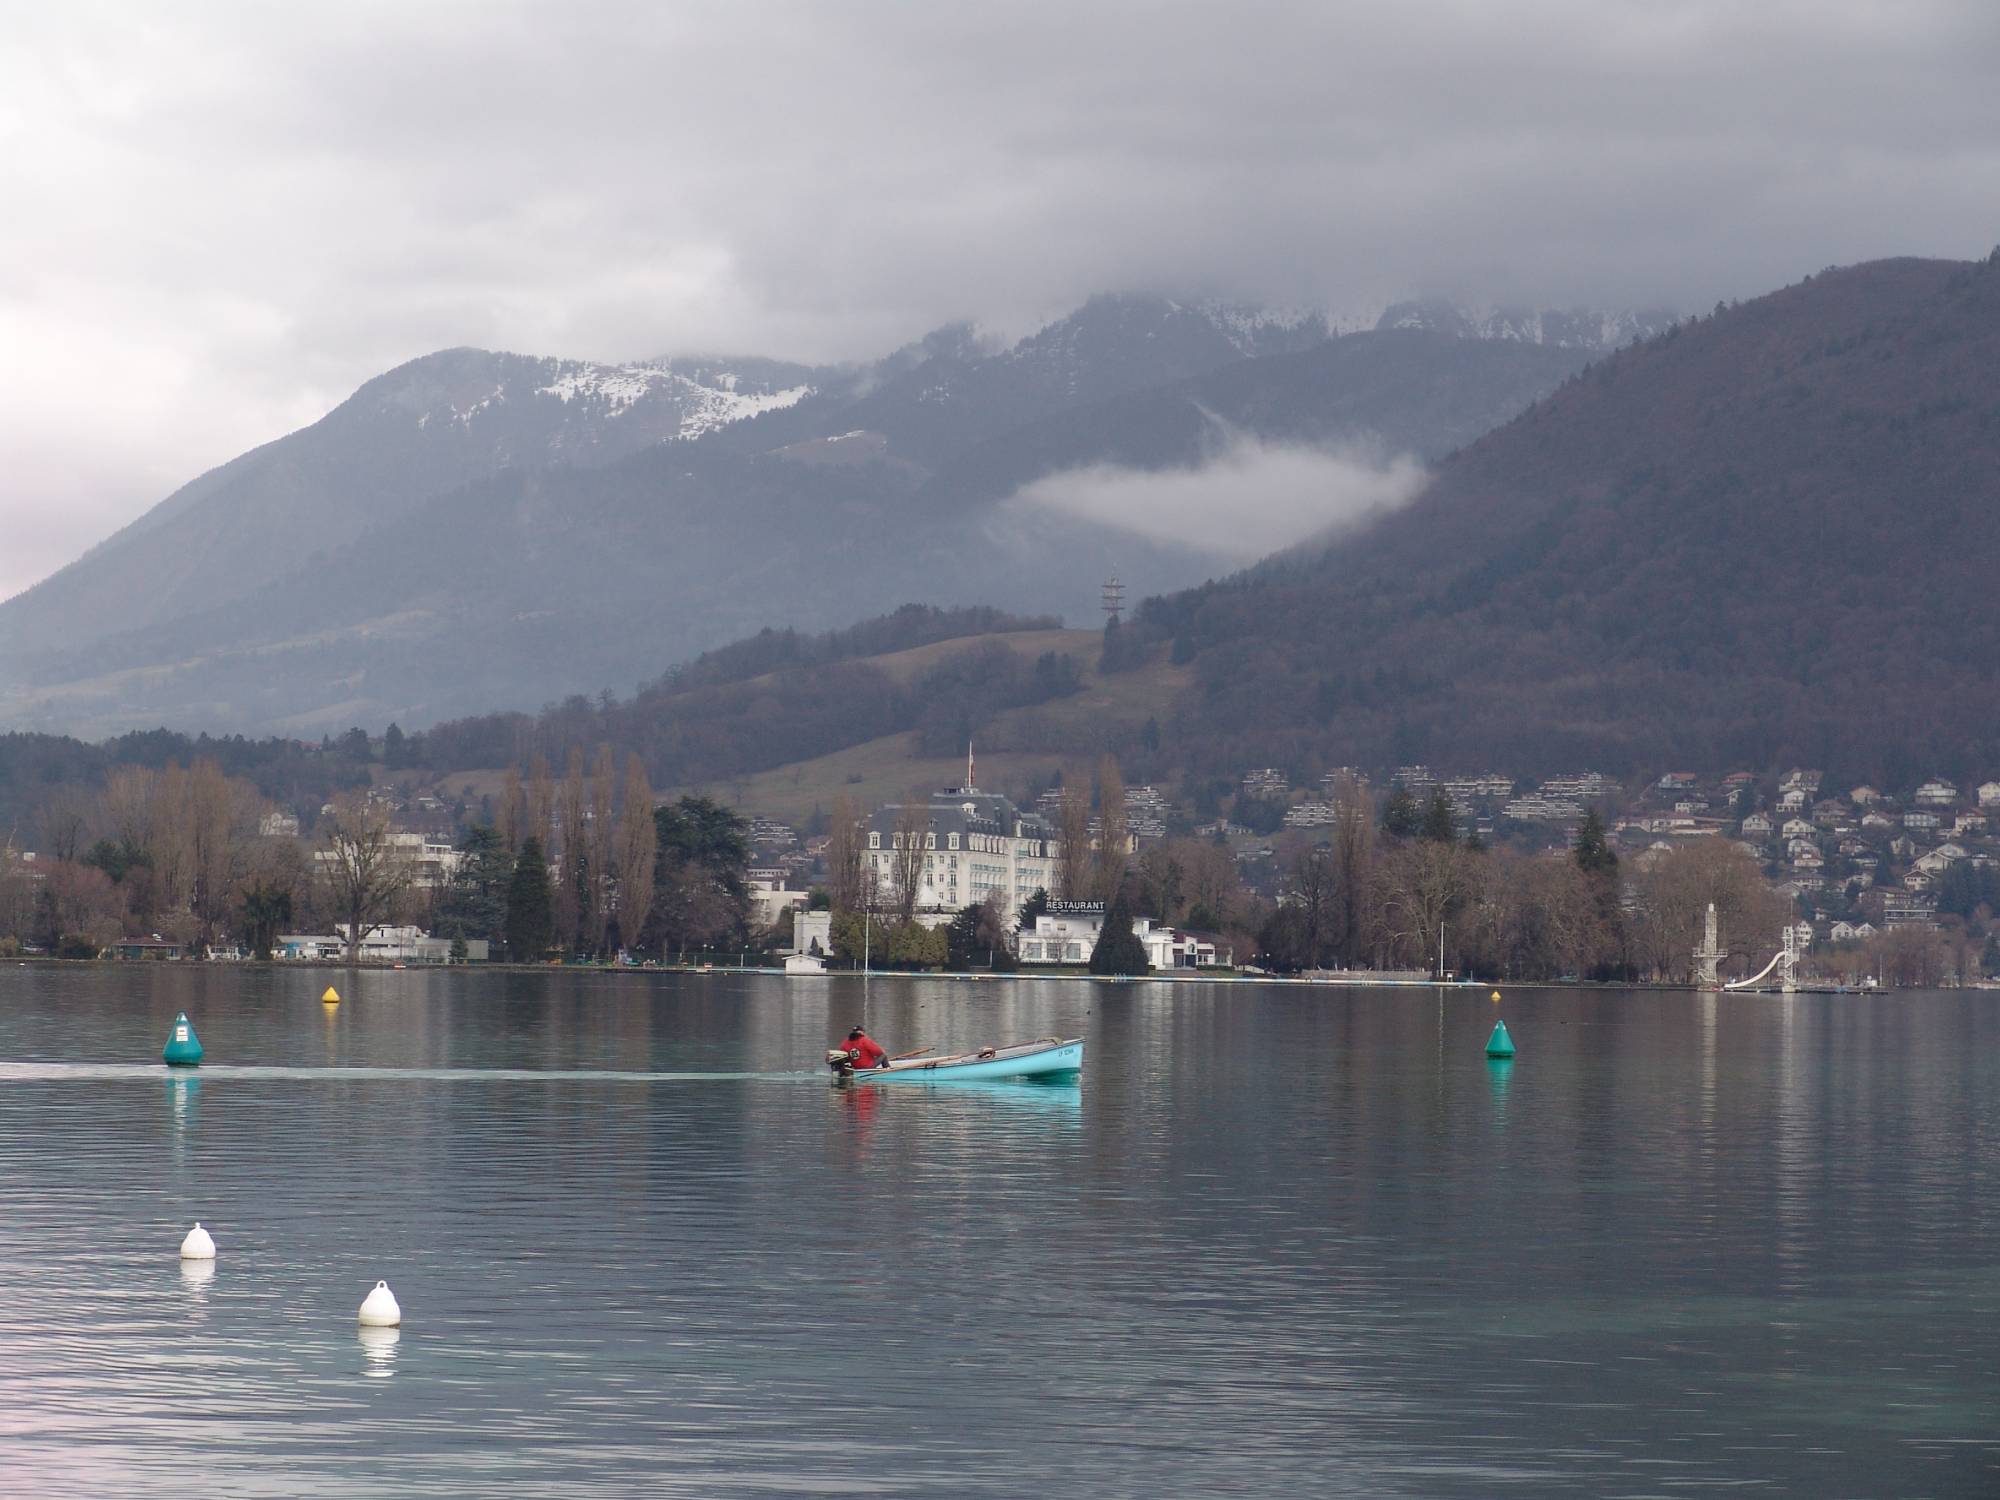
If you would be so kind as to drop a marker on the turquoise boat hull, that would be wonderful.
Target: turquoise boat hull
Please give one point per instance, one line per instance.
(1031, 1060)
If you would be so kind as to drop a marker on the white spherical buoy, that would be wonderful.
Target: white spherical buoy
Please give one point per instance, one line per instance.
(379, 1309)
(198, 1245)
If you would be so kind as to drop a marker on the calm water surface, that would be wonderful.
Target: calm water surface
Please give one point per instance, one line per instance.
(1278, 1242)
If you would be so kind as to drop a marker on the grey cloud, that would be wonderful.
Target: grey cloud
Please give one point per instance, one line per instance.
(223, 217)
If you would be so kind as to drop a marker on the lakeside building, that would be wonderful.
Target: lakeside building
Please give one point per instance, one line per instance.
(405, 945)
(1068, 931)
(976, 844)
(432, 861)
(770, 897)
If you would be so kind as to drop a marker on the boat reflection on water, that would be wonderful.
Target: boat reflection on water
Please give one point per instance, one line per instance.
(1036, 1108)
(1058, 1096)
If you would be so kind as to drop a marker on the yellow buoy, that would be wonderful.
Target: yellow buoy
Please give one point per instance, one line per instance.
(1496, 997)
(332, 996)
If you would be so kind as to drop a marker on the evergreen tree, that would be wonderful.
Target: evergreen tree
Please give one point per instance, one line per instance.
(1400, 818)
(1599, 863)
(393, 754)
(963, 946)
(1439, 826)
(1118, 949)
(530, 908)
(1594, 854)
(474, 902)
(264, 910)
(1033, 907)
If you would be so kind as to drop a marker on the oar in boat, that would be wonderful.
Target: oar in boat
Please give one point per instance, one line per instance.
(905, 1056)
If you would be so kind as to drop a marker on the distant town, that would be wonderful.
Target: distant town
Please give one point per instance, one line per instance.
(1410, 872)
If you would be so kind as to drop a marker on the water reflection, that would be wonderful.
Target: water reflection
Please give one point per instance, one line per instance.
(183, 1101)
(378, 1350)
(1499, 1074)
(1278, 1241)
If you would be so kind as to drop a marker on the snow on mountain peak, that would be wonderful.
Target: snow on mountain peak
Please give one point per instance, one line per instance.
(704, 405)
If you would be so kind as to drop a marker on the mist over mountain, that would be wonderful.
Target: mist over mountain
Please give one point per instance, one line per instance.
(478, 530)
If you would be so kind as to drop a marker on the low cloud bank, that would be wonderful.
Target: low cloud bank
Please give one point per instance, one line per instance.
(1251, 499)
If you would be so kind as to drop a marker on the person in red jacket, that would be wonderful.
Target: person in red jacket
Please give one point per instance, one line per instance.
(865, 1050)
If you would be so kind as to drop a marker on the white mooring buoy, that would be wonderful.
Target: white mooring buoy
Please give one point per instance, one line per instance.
(198, 1245)
(379, 1309)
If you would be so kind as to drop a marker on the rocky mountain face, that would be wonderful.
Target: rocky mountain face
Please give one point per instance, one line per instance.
(477, 530)
(1764, 537)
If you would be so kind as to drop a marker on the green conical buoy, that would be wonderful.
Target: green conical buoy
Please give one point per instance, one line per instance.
(183, 1048)
(1499, 1044)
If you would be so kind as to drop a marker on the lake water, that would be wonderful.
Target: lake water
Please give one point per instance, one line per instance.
(1278, 1241)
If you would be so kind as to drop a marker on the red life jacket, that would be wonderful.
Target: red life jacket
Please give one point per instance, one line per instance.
(867, 1052)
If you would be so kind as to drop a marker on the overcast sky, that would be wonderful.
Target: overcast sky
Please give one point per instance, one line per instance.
(220, 219)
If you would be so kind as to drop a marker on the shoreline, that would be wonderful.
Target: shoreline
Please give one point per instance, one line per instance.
(1346, 980)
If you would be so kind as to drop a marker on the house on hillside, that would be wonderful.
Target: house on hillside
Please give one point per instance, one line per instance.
(1757, 826)
(1864, 796)
(1312, 815)
(1936, 794)
(1794, 800)
(1799, 779)
(1268, 782)
(1922, 822)
(1798, 828)
(1989, 794)
(1941, 858)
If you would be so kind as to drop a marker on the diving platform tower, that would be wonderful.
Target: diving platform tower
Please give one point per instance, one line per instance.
(1710, 954)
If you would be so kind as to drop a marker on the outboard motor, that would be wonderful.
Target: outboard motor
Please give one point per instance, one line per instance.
(841, 1061)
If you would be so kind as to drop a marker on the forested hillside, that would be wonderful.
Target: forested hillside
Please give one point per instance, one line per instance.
(1764, 537)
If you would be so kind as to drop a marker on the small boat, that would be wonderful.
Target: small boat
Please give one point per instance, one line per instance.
(1045, 1057)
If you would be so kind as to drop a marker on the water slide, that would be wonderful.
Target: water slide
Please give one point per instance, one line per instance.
(1751, 983)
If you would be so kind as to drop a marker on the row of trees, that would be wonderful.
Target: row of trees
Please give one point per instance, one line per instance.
(614, 873)
(1413, 894)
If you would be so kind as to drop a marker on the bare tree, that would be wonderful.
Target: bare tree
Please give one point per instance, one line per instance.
(169, 840)
(844, 843)
(364, 871)
(540, 803)
(603, 845)
(911, 854)
(1353, 869)
(65, 821)
(1312, 887)
(572, 897)
(1215, 886)
(1426, 883)
(638, 843)
(1163, 880)
(513, 811)
(1073, 859)
(221, 815)
(1112, 842)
